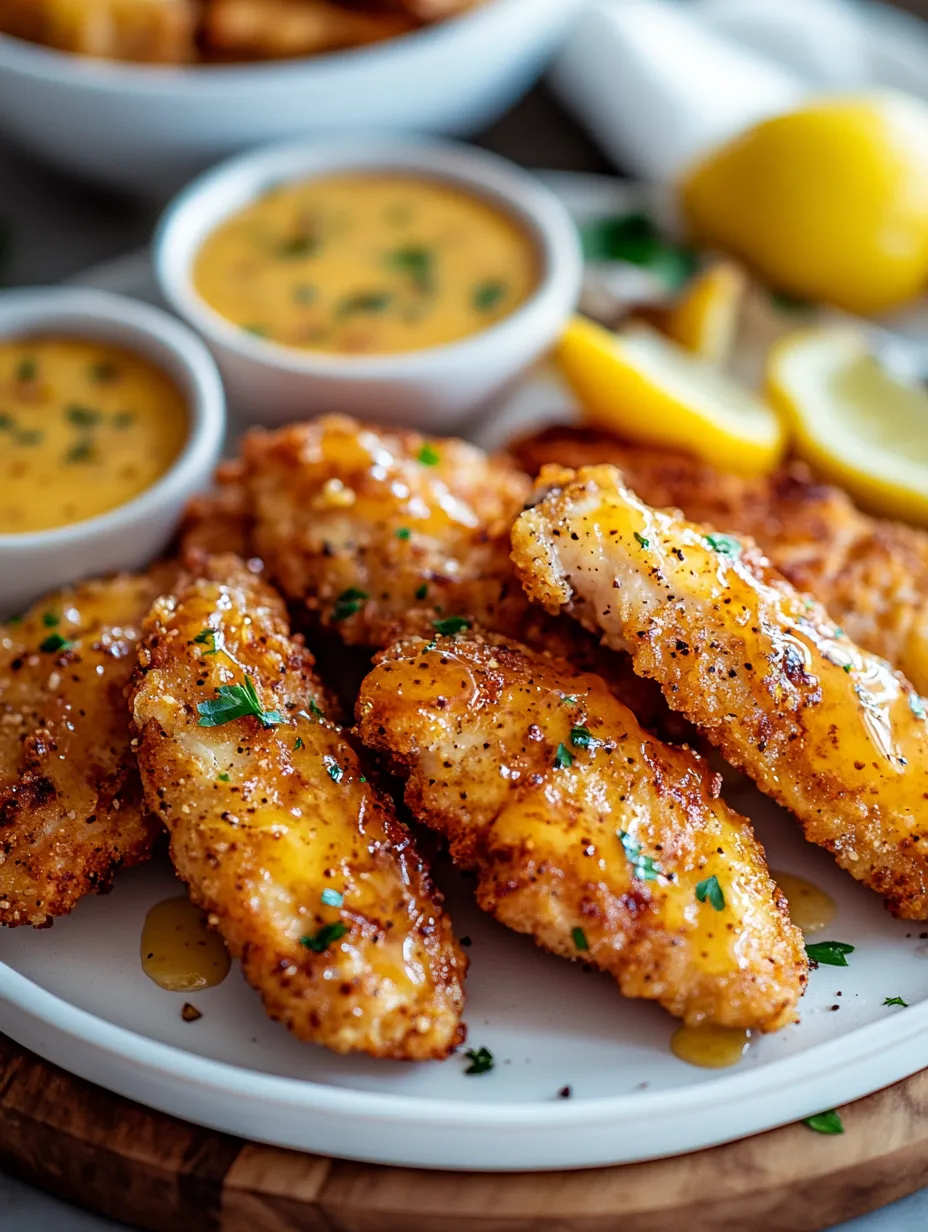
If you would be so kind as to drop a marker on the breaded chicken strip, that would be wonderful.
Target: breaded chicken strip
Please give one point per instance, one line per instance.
(268, 29)
(595, 839)
(71, 808)
(825, 728)
(157, 31)
(307, 874)
(871, 575)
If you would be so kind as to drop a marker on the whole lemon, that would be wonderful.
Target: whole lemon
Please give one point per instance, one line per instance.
(828, 202)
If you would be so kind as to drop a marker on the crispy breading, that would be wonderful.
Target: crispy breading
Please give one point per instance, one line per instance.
(586, 833)
(825, 728)
(71, 808)
(157, 31)
(871, 574)
(219, 521)
(279, 28)
(308, 875)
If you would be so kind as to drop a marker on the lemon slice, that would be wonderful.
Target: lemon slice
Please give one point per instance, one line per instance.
(856, 424)
(704, 319)
(644, 387)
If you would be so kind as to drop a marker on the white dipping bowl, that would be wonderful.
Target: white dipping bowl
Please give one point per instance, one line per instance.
(131, 535)
(151, 128)
(436, 388)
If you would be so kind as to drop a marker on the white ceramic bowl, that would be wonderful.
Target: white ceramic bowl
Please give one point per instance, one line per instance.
(132, 534)
(151, 128)
(436, 388)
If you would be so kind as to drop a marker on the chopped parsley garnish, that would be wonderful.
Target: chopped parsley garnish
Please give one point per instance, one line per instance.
(334, 770)
(224, 778)
(429, 646)
(847, 667)
(297, 246)
(305, 293)
(825, 1123)
(103, 371)
(348, 603)
(644, 868)
(918, 706)
(298, 743)
(236, 701)
(363, 778)
(563, 758)
(829, 953)
(635, 239)
(27, 370)
(451, 625)
(481, 1061)
(580, 941)
(645, 543)
(568, 699)
(416, 262)
(83, 416)
(896, 1001)
(725, 545)
(7, 422)
(320, 941)
(332, 898)
(583, 738)
(422, 591)
(29, 436)
(363, 301)
(123, 420)
(211, 638)
(710, 891)
(428, 456)
(404, 533)
(489, 294)
(82, 451)
(315, 709)
(55, 642)
(49, 620)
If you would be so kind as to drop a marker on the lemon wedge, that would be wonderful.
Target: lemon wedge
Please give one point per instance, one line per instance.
(704, 319)
(856, 424)
(644, 387)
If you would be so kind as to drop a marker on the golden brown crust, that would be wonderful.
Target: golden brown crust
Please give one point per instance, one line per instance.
(274, 29)
(71, 808)
(825, 728)
(587, 834)
(266, 816)
(155, 31)
(871, 574)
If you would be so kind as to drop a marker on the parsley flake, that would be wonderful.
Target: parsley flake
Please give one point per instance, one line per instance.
(348, 603)
(417, 263)
(563, 758)
(224, 778)
(332, 898)
(103, 372)
(489, 294)
(404, 533)
(298, 743)
(422, 591)
(583, 738)
(635, 239)
(334, 770)
(896, 1001)
(829, 953)
(27, 370)
(644, 868)
(49, 620)
(428, 456)
(569, 699)
(710, 890)
(847, 668)
(825, 1123)
(236, 701)
(725, 545)
(82, 451)
(580, 941)
(451, 625)
(297, 246)
(82, 416)
(55, 642)
(364, 301)
(481, 1061)
(320, 941)
(645, 543)
(212, 638)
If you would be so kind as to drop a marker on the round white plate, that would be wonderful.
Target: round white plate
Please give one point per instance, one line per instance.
(78, 997)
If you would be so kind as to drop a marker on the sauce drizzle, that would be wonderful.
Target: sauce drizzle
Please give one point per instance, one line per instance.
(810, 908)
(179, 952)
(710, 1046)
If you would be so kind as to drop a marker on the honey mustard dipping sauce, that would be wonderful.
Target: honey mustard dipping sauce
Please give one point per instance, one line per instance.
(367, 264)
(84, 427)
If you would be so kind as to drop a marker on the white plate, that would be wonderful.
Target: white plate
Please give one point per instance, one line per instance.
(78, 997)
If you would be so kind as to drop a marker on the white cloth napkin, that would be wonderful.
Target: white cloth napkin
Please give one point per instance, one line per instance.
(659, 82)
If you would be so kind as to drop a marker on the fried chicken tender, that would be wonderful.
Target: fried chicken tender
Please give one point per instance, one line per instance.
(219, 522)
(71, 807)
(156, 31)
(308, 875)
(269, 29)
(871, 574)
(587, 834)
(823, 727)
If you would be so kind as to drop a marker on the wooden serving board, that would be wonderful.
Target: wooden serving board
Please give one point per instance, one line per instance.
(151, 1171)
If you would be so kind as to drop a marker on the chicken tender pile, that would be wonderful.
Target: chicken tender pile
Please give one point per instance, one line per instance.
(871, 575)
(306, 872)
(71, 807)
(825, 728)
(589, 835)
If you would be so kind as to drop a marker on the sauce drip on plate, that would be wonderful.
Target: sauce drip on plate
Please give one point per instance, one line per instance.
(179, 952)
(810, 908)
(710, 1046)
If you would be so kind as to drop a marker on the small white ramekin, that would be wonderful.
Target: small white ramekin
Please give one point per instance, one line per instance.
(131, 535)
(436, 388)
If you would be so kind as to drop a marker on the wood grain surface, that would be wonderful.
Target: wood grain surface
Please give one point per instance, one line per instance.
(151, 1171)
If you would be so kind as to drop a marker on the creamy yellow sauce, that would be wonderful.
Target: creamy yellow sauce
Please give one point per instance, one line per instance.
(84, 427)
(709, 1046)
(366, 264)
(178, 951)
(810, 908)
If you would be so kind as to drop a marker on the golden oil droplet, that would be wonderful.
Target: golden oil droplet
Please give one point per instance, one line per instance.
(810, 908)
(709, 1046)
(179, 952)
